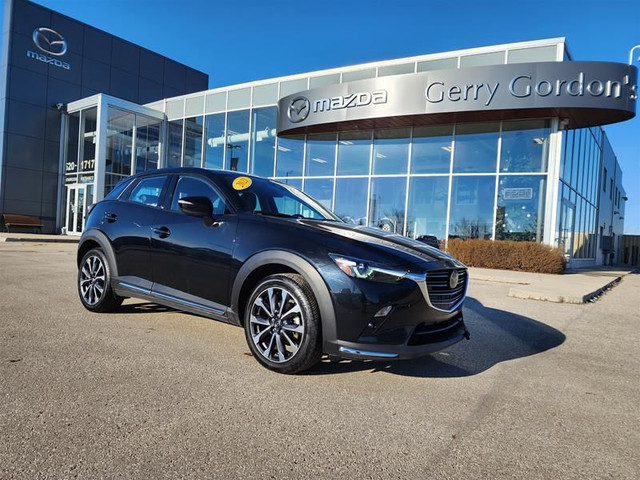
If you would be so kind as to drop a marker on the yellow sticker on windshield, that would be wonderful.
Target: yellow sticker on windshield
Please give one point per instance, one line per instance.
(241, 183)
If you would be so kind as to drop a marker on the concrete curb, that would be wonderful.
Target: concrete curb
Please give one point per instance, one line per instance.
(523, 293)
(39, 240)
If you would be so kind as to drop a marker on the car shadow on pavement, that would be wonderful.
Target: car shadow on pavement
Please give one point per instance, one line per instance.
(146, 307)
(496, 336)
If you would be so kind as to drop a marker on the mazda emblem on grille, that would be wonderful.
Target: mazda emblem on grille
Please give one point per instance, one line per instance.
(453, 279)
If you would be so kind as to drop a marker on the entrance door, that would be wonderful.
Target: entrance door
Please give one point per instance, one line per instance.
(76, 208)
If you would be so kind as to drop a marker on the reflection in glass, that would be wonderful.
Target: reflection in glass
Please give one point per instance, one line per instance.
(119, 147)
(432, 149)
(391, 151)
(427, 214)
(476, 148)
(472, 200)
(386, 205)
(193, 142)
(351, 200)
(354, 150)
(520, 211)
(320, 189)
(214, 141)
(294, 182)
(525, 146)
(321, 154)
(263, 140)
(88, 122)
(147, 143)
(290, 154)
(71, 148)
(238, 140)
(174, 140)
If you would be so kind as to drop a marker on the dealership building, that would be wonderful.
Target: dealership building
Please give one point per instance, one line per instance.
(501, 142)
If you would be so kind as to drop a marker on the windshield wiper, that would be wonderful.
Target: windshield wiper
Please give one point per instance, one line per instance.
(276, 214)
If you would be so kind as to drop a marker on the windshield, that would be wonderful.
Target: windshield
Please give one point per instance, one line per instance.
(266, 197)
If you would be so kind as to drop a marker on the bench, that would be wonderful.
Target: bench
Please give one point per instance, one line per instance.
(14, 220)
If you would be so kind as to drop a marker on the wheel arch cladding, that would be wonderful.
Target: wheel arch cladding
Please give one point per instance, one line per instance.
(96, 239)
(277, 261)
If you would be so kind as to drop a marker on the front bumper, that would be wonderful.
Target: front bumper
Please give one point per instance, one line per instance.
(417, 324)
(422, 341)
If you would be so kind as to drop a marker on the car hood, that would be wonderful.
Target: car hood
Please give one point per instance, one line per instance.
(397, 250)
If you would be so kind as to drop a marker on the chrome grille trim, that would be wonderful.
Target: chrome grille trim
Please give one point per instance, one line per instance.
(439, 279)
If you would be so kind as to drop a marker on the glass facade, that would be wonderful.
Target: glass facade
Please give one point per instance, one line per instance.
(486, 180)
(578, 192)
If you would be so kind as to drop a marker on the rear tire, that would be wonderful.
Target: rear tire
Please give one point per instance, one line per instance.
(94, 283)
(282, 324)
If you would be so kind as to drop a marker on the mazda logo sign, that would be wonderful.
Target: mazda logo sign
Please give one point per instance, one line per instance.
(49, 41)
(299, 109)
(453, 279)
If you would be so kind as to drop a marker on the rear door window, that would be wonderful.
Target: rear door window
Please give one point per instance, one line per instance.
(148, 191)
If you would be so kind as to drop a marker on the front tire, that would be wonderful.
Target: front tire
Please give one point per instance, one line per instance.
(94, 283)
(282, 324)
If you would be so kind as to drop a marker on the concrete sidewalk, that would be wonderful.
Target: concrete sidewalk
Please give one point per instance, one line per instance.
(574, 286)
(37, 238)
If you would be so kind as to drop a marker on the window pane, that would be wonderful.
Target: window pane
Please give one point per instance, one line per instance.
(351, 200)
(147, 143)
(292, 86)
(119, 146)
(353, 152)
(214, 144)
(520, 212)
(263, 141)
(428, 198)
(391, 151)
(216, 102)
(237, 140)
(324, 80)
(289, 156)
(265, 94)
(320, 189)
(476, 147)
(71, 150)
(472, 200)
(431, 149)
(240, 98)
(386, 207)
(196, 187)
(174, 150)
(88, 122)
(396, 69)
(440, 64)
(294, 182)
(525, 146)
(536, 54)
(193, 142)
(194, 106)
(321, 154)
(358, 75)
(479, 59)
(148, 191)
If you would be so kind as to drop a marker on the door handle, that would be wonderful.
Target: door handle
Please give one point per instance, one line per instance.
(162, 232)
(110, 217)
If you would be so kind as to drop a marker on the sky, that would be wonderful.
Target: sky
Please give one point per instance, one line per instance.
(247, 40)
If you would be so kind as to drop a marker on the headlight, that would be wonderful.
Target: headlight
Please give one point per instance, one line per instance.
(356, 268)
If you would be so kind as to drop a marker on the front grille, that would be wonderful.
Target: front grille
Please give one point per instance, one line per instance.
(441, 295)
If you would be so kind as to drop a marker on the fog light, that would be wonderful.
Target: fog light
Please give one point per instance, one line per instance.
(384, 311)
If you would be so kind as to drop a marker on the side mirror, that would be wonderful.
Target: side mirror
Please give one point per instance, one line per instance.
(196, 207)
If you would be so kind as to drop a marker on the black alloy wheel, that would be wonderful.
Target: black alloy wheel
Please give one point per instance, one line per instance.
(282, 324)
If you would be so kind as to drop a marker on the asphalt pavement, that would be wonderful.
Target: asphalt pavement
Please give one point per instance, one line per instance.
(541, 391)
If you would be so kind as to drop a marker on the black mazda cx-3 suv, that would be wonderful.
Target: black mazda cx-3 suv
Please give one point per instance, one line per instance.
(265, 256)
